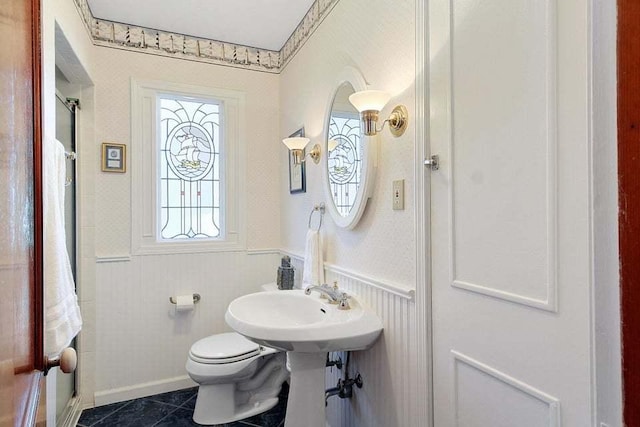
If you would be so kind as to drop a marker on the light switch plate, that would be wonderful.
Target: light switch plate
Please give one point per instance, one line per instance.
(398, 195)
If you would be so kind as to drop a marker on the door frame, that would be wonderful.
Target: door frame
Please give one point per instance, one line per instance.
(38, 273)
(628, 50)
(24, 353)
(424, 376)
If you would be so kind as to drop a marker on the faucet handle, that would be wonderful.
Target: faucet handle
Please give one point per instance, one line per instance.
(335, 285)
(344, 302)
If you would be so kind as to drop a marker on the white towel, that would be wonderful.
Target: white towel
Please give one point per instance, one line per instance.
(313, 269)
(62, 314)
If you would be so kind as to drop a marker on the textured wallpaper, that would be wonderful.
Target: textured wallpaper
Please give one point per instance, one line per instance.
(114, 70)
(377, 38)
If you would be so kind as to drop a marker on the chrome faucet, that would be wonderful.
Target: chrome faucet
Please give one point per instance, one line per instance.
(335, 295)
(332, 294)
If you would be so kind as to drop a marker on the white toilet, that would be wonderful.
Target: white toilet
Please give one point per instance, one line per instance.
(238, 378)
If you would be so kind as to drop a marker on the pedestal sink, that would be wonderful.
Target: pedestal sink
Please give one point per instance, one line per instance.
(307, 327)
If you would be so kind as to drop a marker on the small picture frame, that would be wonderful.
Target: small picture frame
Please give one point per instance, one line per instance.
(114, 157)
(297, 178)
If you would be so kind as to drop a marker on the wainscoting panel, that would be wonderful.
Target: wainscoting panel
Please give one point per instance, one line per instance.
(141, 342)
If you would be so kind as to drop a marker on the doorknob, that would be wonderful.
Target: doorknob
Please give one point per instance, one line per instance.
(433, 162)
(68, 360)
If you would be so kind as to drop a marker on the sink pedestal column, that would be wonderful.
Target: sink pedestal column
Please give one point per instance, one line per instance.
(305, 405)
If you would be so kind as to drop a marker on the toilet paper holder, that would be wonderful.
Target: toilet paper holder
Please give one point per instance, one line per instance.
(196, 298)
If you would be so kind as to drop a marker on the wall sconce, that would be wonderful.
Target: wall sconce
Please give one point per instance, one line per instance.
(296, 146)
(369, 103)
(331, 145)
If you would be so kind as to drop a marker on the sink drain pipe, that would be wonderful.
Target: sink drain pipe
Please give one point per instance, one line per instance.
(344, 388)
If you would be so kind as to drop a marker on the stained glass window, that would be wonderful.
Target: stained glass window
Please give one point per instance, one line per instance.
(345, 160)
(189, 168)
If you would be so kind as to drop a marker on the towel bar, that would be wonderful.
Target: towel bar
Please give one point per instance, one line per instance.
(317, 208)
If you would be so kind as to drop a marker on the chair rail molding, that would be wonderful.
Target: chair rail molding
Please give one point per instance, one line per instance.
(388, 287)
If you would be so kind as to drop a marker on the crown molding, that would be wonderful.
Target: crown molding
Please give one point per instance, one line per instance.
(175, 45)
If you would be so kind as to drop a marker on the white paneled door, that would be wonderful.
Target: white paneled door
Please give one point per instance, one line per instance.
(510, 224)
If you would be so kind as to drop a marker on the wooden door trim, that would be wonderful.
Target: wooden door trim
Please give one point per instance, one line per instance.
(629, 196)
(30, 416)
(38, 267)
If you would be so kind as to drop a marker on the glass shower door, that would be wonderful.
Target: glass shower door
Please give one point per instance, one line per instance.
(66, 134)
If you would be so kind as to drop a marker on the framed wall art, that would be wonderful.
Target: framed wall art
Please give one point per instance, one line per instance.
(114, 157)
(297, 178)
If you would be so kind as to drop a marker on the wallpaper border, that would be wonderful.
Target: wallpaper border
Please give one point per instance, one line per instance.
(175, 45)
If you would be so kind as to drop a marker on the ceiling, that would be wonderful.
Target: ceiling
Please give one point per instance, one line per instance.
(265, 24)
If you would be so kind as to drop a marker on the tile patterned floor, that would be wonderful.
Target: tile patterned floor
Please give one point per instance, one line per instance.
(173, 409)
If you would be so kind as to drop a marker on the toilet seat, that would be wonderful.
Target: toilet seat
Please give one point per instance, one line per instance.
(224, 348)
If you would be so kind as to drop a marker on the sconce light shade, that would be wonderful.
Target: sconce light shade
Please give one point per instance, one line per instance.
(296, 146)
(296, 143)
(369, 103)
(368, 100)
(331, 145)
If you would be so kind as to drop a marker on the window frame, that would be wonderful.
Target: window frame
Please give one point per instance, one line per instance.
(145, 178)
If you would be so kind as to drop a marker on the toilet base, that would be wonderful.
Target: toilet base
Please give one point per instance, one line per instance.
(215, 405)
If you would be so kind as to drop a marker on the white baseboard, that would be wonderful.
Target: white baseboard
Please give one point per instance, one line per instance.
(71, 413)
(142, 390)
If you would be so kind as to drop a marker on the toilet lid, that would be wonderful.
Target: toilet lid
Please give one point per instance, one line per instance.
(224, 348)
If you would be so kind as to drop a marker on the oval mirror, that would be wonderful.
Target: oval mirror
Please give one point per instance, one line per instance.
(351, 157)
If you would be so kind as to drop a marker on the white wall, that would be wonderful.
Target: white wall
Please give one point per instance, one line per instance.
(378, 38)
(383, 244)
(135, 324)
(114, 69)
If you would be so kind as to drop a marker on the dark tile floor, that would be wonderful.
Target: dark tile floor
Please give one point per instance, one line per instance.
(173, 409)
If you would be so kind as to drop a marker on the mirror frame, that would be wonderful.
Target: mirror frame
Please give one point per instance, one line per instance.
(369, 157)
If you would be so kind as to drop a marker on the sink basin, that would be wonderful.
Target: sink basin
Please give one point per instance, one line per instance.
(292, 321)
(307, 327)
